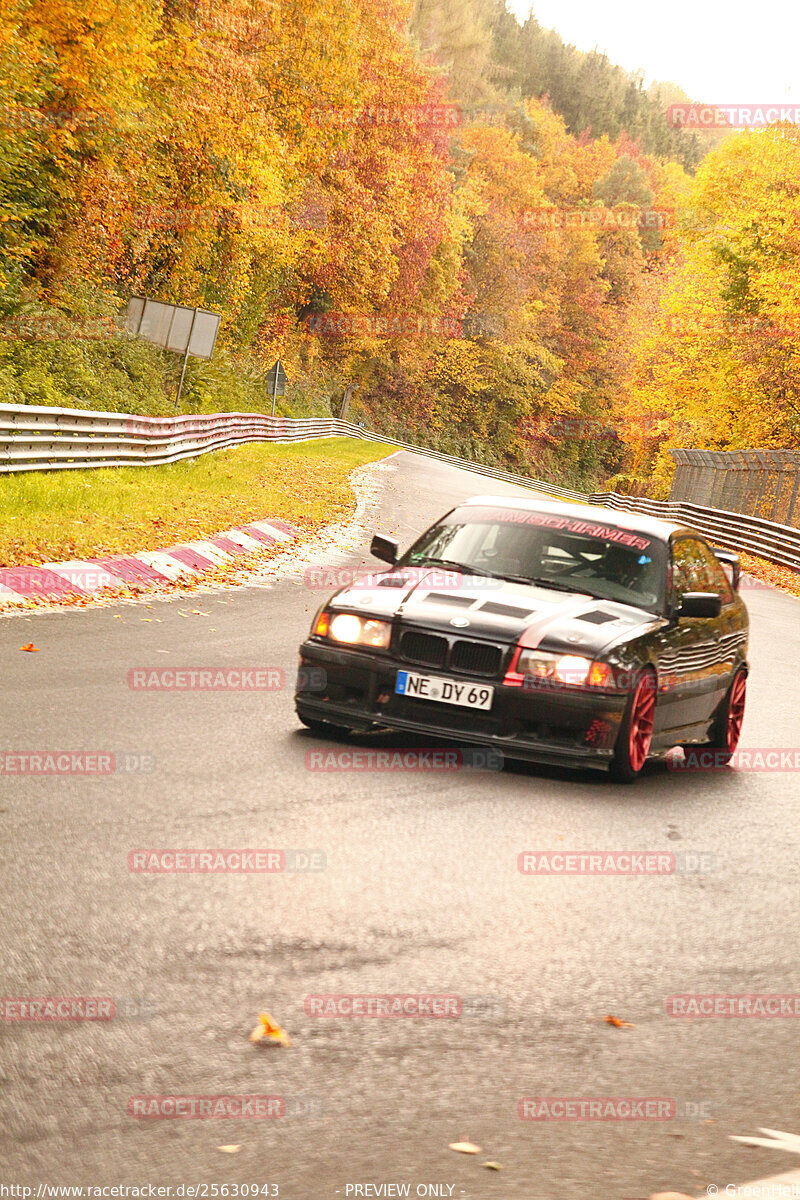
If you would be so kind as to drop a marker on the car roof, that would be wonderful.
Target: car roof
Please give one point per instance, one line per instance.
(638, 522)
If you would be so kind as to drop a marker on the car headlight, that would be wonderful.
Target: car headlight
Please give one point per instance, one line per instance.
(353, 630)
(571, 669)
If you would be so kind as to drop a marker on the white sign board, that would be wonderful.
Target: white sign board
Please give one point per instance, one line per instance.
(180, 329)
(133, 317)
(173, 326)
(204, 333)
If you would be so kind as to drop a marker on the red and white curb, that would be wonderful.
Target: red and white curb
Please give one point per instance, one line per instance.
(142, 571)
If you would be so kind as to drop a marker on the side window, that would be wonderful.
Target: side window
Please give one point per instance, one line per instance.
(695, 568)
(682, 573)
(715, 573)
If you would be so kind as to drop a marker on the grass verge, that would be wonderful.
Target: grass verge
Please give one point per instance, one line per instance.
(50, 516)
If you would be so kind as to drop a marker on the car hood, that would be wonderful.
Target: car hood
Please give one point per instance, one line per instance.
(493, 609)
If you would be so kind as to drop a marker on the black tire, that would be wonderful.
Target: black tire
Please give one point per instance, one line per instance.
(726, 730)
(633, 743)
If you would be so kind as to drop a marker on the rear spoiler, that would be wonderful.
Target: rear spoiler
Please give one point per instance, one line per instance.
(730, 559)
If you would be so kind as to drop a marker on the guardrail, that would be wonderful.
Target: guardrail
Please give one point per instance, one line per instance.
(40, 438)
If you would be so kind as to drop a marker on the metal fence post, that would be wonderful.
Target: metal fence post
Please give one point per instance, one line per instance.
(185, 358)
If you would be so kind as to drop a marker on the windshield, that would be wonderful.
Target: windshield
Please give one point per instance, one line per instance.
(566, 553)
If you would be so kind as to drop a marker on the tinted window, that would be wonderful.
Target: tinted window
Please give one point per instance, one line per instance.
(579, 555)
(683, 569)
(695, 568)
(715, 573)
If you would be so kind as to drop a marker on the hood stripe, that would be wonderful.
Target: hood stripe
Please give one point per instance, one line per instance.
(533, 634)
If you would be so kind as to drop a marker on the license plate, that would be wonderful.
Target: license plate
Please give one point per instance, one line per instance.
(446, 691)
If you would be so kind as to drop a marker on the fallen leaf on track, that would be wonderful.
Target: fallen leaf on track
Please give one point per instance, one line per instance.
(615, 1021)
(269, 1033)
(492, 1166)
(229, 1149)
(464, 1147)
(31, 649)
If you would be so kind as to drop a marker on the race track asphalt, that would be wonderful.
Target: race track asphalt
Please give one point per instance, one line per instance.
(420, 894)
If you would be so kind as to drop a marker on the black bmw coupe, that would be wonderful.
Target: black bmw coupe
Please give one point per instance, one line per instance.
(559, 633)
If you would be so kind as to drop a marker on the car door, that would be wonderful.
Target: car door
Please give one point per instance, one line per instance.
(731, 631)
(692, 671)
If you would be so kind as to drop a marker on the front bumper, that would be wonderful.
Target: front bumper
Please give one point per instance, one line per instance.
(564, 726)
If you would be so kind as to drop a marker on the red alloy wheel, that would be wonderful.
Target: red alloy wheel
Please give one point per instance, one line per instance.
(736, 711)
(641, 725)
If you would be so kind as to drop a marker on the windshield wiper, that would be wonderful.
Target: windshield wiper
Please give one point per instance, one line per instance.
(558, 584)
(466, 569)
(450, 565)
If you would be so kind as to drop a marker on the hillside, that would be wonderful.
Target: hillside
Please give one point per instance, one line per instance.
(462, 222)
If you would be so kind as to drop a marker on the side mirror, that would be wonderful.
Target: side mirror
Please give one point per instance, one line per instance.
(384, 548)
(730, 563)
(700, 604)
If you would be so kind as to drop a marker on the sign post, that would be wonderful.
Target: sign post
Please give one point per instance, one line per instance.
(185, 360)
(348, 392)
(174, 327)
(276, 381)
